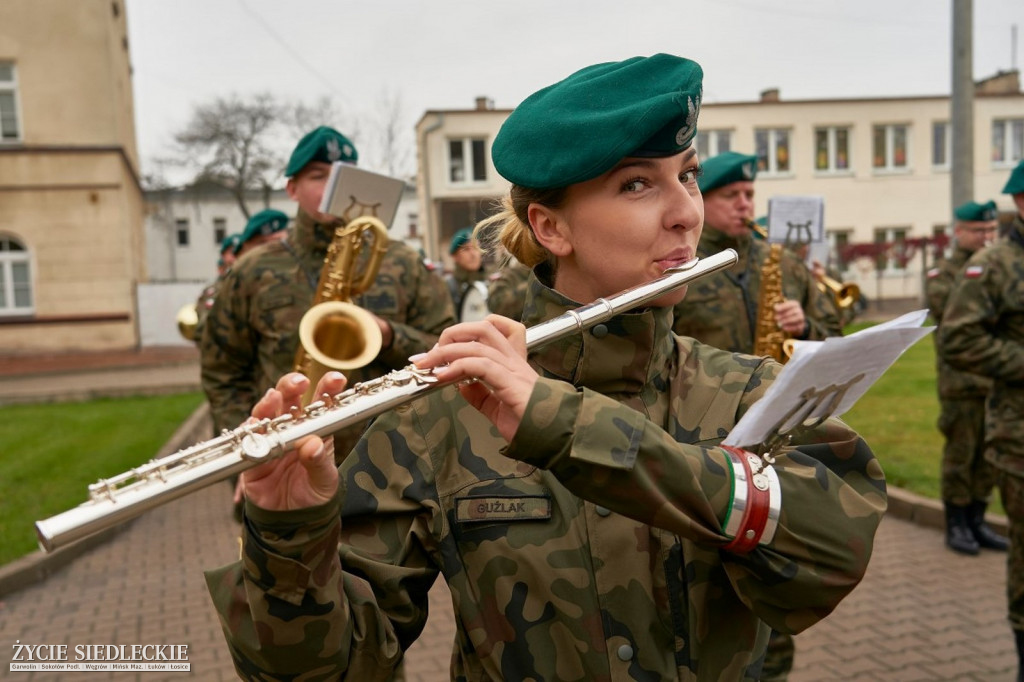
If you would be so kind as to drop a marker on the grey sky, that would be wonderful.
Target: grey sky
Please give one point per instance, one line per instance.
(444, 53)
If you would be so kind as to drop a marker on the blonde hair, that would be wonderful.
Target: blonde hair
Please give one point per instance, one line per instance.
(510, 227)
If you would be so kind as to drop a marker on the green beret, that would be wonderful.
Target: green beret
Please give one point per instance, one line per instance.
(460, 239)
(582, 126)
(725, 169)
(323, 144)
(1015, 185)
(231, 242)
(265, 222)
(975, 212)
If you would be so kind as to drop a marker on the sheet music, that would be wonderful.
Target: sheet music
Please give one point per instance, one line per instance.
(825, 378)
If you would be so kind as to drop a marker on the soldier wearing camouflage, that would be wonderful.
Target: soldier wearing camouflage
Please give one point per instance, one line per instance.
(251, 335)
(506, 290)
(967, 478)
(721, 310)
(982, 331)
(579, 506)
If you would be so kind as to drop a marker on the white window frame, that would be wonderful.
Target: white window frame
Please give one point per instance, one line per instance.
(889, 235)
(8, 259)
(181, 225)
(947, 145)
(769, 165)
(709, 142)
(468, 160)
(890, 165)
(1010, 149)
(11, 87)
(832, 151)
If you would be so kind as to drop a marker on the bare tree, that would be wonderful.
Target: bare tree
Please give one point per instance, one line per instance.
(390, 136)
(230, 142)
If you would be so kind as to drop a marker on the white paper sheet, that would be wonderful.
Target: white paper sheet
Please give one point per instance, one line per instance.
(825, 378)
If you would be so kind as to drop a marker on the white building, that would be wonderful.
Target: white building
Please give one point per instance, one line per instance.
(881, 165)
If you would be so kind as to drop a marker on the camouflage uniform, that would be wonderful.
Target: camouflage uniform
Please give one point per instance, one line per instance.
(966, 476)
(251, 335)
(588, 548)
(458, 281)
(983, 331)
(203, 304)
(721, 309)
(506, 290)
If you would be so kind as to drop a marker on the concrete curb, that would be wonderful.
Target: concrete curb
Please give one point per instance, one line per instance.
(930, 513)
(37, 566)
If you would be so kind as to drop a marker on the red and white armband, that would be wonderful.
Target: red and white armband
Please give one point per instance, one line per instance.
(753, 514)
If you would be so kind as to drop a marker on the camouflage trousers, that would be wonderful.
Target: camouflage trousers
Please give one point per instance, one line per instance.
(1011, 490)
(966, 475)
(778, 659)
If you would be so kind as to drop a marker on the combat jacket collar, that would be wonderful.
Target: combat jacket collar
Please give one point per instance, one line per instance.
(713, 241)
(309, 236)
(624, 355)
(959, 255)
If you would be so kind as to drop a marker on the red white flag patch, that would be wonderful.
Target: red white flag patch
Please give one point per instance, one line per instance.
(933, 273)
(973, 271)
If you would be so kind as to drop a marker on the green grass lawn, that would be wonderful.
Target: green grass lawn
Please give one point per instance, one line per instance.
(52, 452)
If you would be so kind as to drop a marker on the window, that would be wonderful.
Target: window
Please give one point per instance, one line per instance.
(942, 144)
(220, 230)
(831, 149)
(713, 142)
(467, 160)
(772, 150)
(9, 131)
(889, 150)
(892, 254)
(15, 278)
(838, 240)
(1007, 141)
(181, 229)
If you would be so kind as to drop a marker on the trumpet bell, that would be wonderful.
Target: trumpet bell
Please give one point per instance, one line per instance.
(340, 335)
(188, 320)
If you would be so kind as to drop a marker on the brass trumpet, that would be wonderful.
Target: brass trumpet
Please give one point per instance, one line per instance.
(845, 294)
(187, 319)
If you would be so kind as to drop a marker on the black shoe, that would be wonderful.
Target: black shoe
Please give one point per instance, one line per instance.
(1019, 636)
(983, 534)
(959, 537)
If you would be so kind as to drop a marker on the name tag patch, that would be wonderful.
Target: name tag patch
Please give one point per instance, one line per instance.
(502, 508)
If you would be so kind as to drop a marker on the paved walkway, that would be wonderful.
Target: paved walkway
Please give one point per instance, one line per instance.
(922, 613)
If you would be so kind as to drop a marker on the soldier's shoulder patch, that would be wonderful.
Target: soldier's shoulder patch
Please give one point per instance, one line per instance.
(974, 271)
(494, 276)
(933, 273)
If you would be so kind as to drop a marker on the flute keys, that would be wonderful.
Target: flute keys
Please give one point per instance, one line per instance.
(255, 446)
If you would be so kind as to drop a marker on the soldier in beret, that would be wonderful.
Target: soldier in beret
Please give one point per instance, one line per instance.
(506, 289)
(967, 478)
(267, 225)
(982, 331)
(574, 497)
(469, 266)
(209, 293)
(722, 309)
(251, 337)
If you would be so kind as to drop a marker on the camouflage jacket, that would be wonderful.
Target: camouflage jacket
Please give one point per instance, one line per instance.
(721, 309)
(506, 290)
(938, 284)
(251, 333)
(203, 304)
(588, 548)
(982, 331)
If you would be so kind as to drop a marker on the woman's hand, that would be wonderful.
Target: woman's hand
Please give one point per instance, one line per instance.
(305, 476)
(492, 351)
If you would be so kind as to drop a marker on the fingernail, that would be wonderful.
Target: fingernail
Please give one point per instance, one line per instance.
(335, 376)
(297, 379)
(416, 358)
(319, 453)
(269, 391)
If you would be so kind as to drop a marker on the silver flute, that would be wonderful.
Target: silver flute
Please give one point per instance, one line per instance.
(119, 499)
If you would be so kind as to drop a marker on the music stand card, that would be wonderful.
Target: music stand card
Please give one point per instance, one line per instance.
(352, 192)
(796, 219)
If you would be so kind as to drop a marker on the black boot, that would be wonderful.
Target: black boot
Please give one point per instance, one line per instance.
(1019, 635)
(959, 537)
(985, 536)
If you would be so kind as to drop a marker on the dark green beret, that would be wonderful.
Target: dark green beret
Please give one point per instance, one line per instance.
(231, 242)
(725, 169)
(975, 212)
(265, 222)
(460, 239)
(1015, 185)
(323, 144)
(582, 126)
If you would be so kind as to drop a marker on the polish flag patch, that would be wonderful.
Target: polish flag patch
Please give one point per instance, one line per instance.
(933, 273)
(973, 271)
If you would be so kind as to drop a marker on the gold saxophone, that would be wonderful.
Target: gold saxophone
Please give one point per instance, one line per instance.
(769, 339)
(336, 334)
